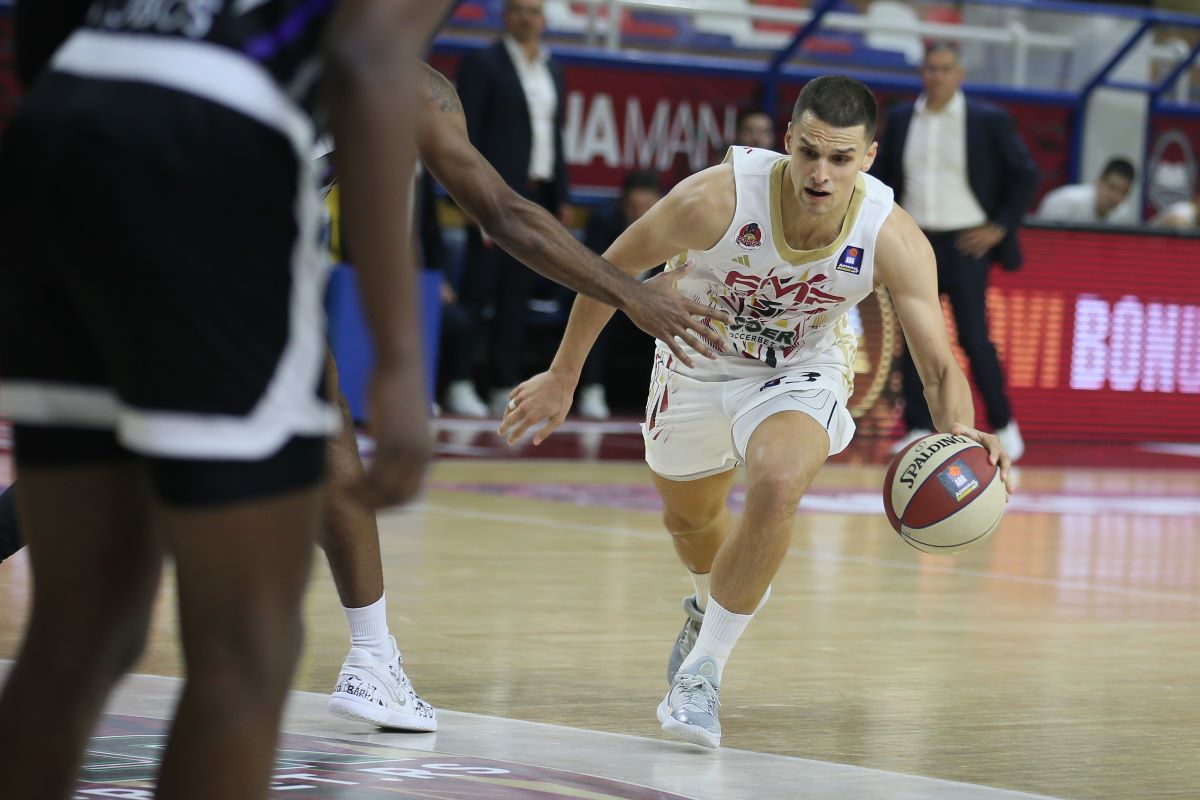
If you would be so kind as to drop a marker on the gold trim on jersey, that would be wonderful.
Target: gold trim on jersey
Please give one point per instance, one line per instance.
(797, 257)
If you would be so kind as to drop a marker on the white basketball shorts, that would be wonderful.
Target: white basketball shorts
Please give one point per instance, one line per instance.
(697, 428)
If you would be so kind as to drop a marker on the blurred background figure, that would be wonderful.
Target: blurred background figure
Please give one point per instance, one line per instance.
(1106, 201)
(639, 191)
(961, 171)
(756, 129)
(514, 99)
(1182, 215)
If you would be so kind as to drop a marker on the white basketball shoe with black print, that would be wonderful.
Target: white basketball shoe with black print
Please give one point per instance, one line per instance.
(380, 693)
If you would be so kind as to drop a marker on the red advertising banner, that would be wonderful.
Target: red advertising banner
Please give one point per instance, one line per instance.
(1100, 336)
(625, 116)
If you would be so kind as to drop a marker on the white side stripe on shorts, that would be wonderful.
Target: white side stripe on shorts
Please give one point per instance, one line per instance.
(49, 404)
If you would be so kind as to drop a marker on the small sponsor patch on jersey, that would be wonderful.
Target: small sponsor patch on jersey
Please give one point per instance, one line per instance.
(750, 236)
(851, 260)
(958, 480)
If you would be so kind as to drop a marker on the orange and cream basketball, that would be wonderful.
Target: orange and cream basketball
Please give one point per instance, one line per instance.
(942, 495)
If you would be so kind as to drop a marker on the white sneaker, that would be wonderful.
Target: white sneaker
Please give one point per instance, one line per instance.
(689, 711)
(909, 438)
(499, 401)
(592, 404)
(462, 400)
(380, 694)
(1010, 439)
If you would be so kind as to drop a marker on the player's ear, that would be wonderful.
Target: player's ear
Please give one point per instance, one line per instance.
(869, 159)
(787, 139)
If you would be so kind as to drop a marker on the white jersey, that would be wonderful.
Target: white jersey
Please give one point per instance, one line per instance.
(789, 306)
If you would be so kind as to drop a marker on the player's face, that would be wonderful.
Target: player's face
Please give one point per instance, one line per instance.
(825, 162)
(1110, 191)
(524, 20)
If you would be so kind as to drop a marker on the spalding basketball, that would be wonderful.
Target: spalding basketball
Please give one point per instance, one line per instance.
(941, 494)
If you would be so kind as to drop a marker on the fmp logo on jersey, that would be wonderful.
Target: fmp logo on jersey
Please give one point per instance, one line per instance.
(851, 260)
(959, 480)
(750, 236)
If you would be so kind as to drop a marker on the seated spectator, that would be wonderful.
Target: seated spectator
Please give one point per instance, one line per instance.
(1180, 216)
(639, 191)
(1106, 201)
(756, 129)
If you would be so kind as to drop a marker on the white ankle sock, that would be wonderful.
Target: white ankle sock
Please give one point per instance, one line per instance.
(718, 635)
(700, 582)
(369, 629)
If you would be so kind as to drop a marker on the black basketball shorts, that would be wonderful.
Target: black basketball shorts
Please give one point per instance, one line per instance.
(161, 291)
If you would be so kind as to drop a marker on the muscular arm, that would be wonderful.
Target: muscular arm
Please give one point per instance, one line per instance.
(693, 216)
(523, 228)
(905, 263)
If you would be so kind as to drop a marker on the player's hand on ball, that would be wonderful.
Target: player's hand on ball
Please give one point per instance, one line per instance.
(996, 452)
(544, 397)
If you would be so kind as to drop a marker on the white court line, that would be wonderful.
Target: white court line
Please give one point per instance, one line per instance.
(725, 774)
(1079, 586)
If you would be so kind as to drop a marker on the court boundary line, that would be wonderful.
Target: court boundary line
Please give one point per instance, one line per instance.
(294, 724)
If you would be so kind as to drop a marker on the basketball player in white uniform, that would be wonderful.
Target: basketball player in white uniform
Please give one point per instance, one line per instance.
(787, 244)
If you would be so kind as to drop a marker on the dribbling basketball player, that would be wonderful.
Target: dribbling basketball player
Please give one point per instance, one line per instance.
(787, 244)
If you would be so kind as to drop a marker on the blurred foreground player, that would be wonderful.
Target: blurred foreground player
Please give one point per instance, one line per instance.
(160, 308)
(788, 244)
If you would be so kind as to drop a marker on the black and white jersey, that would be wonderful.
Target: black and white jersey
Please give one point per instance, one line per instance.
(283, 36)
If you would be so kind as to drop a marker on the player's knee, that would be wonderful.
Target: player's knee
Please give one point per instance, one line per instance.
(778, 494)
(697, 521)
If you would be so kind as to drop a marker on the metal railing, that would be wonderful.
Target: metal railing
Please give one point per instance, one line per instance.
(1013, 33)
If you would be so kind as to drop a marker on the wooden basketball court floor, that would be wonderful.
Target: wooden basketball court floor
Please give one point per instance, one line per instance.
(536, 601)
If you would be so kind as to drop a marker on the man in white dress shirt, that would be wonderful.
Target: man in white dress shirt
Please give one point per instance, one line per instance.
(961, 171)
(514, 99)
(1105, 202)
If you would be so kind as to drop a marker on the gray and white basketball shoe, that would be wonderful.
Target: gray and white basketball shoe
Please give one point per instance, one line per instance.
(687, 637)
(689, 711)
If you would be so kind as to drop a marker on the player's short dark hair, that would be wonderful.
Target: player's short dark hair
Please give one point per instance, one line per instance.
(839, 101)
(1121, 167)
(641, 179)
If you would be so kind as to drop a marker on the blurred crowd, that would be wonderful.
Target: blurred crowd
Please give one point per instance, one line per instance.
(499, 318)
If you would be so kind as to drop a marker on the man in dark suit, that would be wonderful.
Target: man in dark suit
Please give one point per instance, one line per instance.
(514, 99)
(961, 171)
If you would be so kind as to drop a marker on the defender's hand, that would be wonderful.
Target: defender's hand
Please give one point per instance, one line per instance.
(546, 396)
(661, 311)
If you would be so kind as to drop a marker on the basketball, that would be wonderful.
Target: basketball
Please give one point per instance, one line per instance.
(942, 495)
